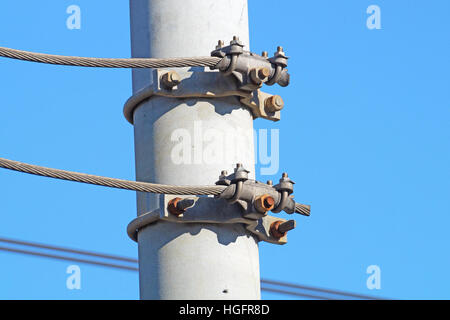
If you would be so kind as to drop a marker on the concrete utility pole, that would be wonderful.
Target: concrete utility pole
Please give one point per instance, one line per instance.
(178, 260)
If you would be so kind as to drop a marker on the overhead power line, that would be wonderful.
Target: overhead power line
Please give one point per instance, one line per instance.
(121, 184)
(320, 290)
(67, 258)
(293, 293)
(130, 264)
(68, 250)
(109, 62)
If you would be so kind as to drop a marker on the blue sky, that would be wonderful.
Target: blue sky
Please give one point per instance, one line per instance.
(364, 133)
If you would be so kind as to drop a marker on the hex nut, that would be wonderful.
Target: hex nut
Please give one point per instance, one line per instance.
(264, 203)
(263, 73)
(172, 207)
(259, 75)
(170, 79)
(274, 103)
(274, 231)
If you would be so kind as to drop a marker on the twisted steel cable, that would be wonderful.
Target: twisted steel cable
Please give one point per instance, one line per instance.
(109, 62)
(109, 182)
(303, 209)
(122, 184)
(115, 63)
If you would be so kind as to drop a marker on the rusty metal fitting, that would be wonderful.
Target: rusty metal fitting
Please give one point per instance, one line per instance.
(274, 103)
(259, 75)
(265, 54)
(178, 206)
(278, 229)
(264, 203)
(170, 79)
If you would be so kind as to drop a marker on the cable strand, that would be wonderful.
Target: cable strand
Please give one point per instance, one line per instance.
(121, 184)
(109, 182)
(108, 62)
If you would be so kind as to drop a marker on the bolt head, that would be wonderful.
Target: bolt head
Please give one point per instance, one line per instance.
(174, 77)
(171, 79)
(263, 73)
(264, 203)
(274, 230)
(274, 103)
(269, 203)
(259, 75)
(172, 207)
(278, 101)
(265, 54)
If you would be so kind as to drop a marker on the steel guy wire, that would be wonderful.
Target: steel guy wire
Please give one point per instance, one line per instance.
(119, 183)
(109, 62)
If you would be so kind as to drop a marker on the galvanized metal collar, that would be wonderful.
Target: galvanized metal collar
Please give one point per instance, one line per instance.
(184, 84)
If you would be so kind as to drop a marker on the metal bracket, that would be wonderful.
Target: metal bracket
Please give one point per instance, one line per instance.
(249, 193)
(241, 75)
(201, 212)
(251, 70)
(194, 84)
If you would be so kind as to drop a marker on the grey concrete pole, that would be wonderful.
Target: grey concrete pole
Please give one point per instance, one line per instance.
(191, 261)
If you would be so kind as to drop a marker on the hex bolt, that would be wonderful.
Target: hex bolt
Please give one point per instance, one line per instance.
(269, 182)
(286, 226)
(235, 40)
(263, 73)
(278, 229)
(223, 180)
(240, 173)
(170, 79)
(220, 44)
(264, 203)
(177, 206)
(259, 75)
(279, 49)
(269, 203)
(274, 103)
(265, 54)
(284, 175)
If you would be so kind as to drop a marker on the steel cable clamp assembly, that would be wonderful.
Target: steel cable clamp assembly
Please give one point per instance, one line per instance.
(245, 73)
(237, 199)
(241, 75)
(243, 201)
